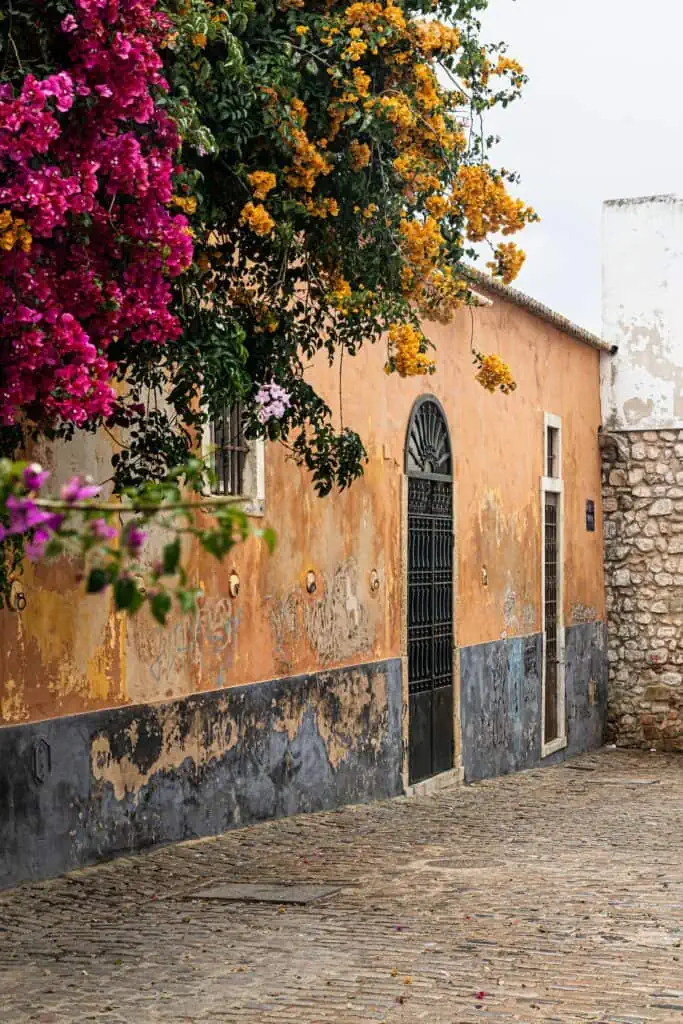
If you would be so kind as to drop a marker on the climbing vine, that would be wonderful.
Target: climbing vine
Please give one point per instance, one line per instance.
(131, 547)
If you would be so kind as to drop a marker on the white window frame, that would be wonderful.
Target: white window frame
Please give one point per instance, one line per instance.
(553, 485)
(253, 473)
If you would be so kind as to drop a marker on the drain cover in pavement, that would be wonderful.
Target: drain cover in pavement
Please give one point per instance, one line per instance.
(623, 782)
(244, 892)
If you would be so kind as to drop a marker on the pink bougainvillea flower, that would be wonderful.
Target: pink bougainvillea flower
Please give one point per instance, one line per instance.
(35, 547)
(24, 514)
(77, 490)
(135, 538)
(34, 476)
(101, 529)
(272, 400)
(65, 297)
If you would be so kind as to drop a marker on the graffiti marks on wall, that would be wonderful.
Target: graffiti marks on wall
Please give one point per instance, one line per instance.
(205, 643)
(519, 612)
(284, 621)
(337, 624)
(335, 621)
(582, 613)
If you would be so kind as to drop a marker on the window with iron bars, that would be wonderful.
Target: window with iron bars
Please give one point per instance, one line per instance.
(229, 450)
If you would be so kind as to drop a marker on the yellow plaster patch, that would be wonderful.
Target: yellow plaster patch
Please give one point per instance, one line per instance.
(12, 705)
(126, 777)
(80, 643)
(347, 702)
(340, 735)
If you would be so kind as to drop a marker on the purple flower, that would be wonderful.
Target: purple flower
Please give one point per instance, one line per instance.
(135, 538)
(101, 529)
(272, 400)
(35, 476)
(24, 514)
(35, 548)
(69, 23)
(76, 490)
(53, 520)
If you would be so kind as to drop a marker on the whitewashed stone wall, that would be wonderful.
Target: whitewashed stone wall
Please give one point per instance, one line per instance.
(642, 313)
(643, 523)
(642, 411)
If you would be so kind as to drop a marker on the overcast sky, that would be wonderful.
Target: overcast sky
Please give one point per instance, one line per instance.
(601, 118)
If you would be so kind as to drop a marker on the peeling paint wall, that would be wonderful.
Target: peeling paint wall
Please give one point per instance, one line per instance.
(67, 653)
(502, 704)
(116, 733)
(75, 789)
(643, 313)
(499, 452)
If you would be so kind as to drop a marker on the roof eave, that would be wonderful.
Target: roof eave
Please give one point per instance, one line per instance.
(536, 308)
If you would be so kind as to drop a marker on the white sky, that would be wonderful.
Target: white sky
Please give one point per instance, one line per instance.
(601, 118)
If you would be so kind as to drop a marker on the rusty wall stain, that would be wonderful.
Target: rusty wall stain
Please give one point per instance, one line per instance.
(502, 565)
(13, 708)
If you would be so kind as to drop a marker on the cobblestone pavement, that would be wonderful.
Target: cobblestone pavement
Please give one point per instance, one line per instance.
(554, 895)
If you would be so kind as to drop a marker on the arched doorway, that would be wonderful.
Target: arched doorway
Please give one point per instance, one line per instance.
(429, 467)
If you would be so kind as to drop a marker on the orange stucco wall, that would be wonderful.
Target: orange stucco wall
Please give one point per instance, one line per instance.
(68, 653)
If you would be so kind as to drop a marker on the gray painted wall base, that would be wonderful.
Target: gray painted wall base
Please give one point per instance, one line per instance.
(80, 789)
(501, 700)
(196, 766)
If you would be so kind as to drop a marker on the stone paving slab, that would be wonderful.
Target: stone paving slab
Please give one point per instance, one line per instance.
(536, 897)
(253, 892)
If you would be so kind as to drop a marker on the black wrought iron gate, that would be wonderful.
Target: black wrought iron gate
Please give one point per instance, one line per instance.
(430, 593)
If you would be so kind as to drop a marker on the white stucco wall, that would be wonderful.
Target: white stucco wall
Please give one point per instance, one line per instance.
(642, 308)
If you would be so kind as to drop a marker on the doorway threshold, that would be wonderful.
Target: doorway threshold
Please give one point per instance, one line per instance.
(444, 780)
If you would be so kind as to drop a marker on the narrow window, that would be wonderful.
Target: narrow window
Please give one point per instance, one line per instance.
(553, 452)
(552, 727)
(554, 722)
(229, 450)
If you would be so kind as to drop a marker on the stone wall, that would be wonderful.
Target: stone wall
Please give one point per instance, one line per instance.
(643, 528)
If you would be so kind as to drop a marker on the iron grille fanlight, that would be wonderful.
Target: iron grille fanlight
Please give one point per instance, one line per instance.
(428, 448)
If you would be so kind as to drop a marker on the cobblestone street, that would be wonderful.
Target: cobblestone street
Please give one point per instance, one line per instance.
(554, 895)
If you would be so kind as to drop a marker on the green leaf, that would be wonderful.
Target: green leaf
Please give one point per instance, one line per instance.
(126, 594)
(161, 606)
(187, 599)
(270, 537)
(171, 557)
(216, 543)
(97, 581)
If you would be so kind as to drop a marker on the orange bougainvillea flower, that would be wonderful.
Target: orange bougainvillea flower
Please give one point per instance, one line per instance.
(262, 182)
(257, 218)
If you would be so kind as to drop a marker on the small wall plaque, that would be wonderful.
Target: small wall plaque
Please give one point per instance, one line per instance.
(590, 516)
(41, 761)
